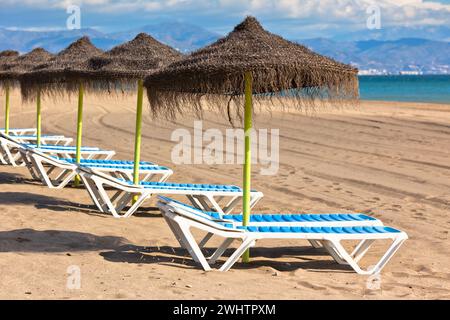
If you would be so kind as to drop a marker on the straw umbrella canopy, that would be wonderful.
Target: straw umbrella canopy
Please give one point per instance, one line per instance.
(124, 65)
(12, 71)
(249, 63)
(123, 68)
(56, 77)
(7, 57)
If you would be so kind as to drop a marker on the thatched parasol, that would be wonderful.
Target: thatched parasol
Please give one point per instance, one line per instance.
(121, 67)
(249, 61)
(216, 73)
(12, 71)
(124, 67)
(57, 77)
(6, 57)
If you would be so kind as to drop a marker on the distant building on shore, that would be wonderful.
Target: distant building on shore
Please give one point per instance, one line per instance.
(410, 73)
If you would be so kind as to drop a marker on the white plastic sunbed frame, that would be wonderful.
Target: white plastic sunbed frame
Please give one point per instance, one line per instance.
(320, 221)
(45, 139)
(98, 183)
(182, 221)
(56, 173)
(20, 131)
(10, 146)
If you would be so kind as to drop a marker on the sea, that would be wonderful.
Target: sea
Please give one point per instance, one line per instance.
(420, 88)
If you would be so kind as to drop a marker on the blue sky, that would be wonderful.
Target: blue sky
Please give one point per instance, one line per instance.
(290, 18)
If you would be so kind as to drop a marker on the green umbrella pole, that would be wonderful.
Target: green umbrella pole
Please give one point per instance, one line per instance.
(79, 129)
(248, 155)
(38, 118)
(7, 109)
(138, 134)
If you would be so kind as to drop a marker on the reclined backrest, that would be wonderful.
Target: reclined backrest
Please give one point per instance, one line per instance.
(48, 157)
(197, 215)
(11, 140)
(104, 176)
(215, 216)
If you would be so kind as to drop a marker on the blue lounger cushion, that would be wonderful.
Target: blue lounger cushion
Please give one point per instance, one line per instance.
(115, 164)
(333, 230)
(190, 186)
(52, 147)
(32, 136)
(110, 162)
(280, 217)
(129, 167)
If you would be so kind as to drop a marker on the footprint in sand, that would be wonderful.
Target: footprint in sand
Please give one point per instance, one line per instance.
(310, 285)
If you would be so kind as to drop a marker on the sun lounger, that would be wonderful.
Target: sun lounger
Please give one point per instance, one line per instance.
(10, 146)
(67, 152)
(119, 202)
(285, 220)
(57, 173)
(297, 219)
(20, 131)
(45, 140)
(181, 221)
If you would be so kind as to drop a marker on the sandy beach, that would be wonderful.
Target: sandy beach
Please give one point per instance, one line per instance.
(386, 159)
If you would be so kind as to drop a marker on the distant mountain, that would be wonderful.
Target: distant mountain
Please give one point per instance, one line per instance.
(410, 54)
(372, 56)
(182, 36)
(390, 33)
(53, 41)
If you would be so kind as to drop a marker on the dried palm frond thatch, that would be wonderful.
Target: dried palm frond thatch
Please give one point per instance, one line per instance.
(120, 67)
(7, 57)
(55, 76)
(10, 71)
(215, 74)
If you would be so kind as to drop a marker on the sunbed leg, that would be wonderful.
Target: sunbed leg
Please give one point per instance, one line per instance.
(205, 240)
(361, 249)
(379, 266)
(165, 177)
(42, 173)
(136, 205)
(93, 194)
(315, 244)
(177, 233)
(231, 204)
(104, 196)
(397, 243)
(193, 248)
(335, 254)
(246, 243)
(219, 252)
(215, 205)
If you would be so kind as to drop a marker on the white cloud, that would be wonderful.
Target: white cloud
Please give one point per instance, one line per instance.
(394, 12)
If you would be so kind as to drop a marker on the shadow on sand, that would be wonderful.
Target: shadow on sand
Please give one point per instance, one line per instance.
(118, 249)
(40, 201)
(261, 257)
(14, 178)
(29, 240)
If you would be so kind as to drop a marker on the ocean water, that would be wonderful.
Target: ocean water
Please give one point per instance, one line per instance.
(431, 88)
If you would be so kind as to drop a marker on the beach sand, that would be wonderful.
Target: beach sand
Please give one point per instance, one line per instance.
(390, 160)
